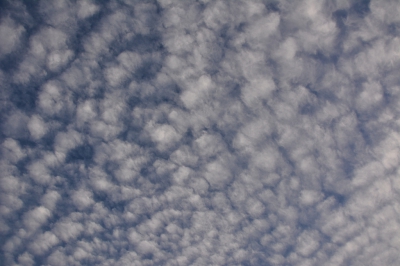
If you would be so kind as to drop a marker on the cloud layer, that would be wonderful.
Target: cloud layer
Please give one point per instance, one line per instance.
(200, 133)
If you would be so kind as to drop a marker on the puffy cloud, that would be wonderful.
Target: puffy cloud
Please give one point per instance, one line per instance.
(36, 218)
(164, 135)
(26, 259)
(39, 172)
(204, 133)
(68, 230)
(307, 243)
(82, 199)
(10, 35)
(15, 125)
(43, 243)
(37, 127)
(87, 9)
(54, 99)
(12, 150)
(49, 200)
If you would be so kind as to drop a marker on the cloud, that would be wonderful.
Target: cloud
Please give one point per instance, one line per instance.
(199, 133)
(10, 33)
(36, 217)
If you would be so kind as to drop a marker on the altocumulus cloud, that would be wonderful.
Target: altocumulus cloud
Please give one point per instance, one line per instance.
(200, 132)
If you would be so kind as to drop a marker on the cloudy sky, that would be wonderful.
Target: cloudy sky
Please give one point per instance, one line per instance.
(200, 132)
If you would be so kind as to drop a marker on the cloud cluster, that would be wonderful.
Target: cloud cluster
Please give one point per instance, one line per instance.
(200, 133)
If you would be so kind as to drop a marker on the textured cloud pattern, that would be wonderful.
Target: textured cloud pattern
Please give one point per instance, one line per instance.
(200, 132)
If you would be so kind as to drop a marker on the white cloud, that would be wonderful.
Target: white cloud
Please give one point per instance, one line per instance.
(15, 125)
(68, 230)
(39, 172)
(12, 150)
(85, 112)
(37, 127)
(10, 34)
(87, 9)
(58, 257)
(65, 141)
(164, 135)
(385, 11)
(58, 59)
(204, 133)
(36, 218)
(261, 30)
(49, 200)
(217, 174)
(82, 199)
(54, 99)
(43, 243)
(309, 197)
(307, 243)
(26, 259)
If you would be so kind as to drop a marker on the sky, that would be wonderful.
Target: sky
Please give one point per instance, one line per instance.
(200, 132)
